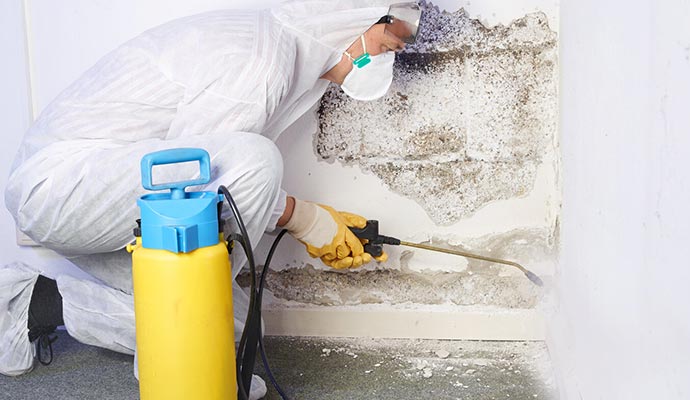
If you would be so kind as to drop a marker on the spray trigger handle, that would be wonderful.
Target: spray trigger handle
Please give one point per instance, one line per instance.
(375, 242)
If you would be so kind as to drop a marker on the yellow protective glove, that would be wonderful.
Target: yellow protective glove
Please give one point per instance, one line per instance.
(326, 235)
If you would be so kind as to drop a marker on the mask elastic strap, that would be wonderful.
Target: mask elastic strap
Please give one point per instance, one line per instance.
(362, 60)
(364, 47)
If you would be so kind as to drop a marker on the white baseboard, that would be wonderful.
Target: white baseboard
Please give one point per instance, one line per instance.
(396, 323)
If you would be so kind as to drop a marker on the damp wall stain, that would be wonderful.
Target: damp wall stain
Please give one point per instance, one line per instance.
(480, 284)
(394, 287)
(469, 116)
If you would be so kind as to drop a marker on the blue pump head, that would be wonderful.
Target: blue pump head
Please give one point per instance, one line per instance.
(178, 221)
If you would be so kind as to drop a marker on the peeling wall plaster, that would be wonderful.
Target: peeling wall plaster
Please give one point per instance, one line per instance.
(462, 153)
(479, 284)
(467, 120)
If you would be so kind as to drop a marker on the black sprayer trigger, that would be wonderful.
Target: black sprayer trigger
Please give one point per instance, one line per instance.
(375, 242)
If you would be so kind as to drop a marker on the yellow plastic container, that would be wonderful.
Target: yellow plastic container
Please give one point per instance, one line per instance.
(184, 323)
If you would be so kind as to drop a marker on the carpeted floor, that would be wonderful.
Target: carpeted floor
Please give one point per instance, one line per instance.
(319, 368)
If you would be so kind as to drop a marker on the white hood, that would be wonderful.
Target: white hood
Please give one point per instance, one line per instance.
(323, 31)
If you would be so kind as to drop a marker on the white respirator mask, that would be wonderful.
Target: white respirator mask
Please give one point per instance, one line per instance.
(370, 77)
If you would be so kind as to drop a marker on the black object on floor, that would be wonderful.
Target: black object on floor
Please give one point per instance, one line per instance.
(45, 315)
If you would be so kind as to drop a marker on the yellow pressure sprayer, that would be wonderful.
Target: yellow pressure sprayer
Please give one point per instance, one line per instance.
(182, 288)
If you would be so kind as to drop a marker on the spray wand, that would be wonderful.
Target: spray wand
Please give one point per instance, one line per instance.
(375, 242)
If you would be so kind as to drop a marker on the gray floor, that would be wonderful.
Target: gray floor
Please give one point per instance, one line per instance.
(312, 369)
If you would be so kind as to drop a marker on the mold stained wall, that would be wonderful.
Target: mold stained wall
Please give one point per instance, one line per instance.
(622, 327)
(462, 152)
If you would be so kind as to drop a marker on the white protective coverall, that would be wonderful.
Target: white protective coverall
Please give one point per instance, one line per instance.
(226, 81)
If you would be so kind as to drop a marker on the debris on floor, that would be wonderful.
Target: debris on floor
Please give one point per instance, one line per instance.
(408, 369)
(320, 368)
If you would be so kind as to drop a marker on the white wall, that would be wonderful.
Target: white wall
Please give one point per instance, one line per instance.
(622, 330)
(15, 117)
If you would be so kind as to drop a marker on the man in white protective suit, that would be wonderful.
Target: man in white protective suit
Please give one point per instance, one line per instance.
(227, 81)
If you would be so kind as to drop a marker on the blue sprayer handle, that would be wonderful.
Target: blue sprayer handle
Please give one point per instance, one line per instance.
(173, 156)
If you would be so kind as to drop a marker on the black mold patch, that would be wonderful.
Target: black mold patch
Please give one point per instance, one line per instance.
(469, 116)
(410, 63)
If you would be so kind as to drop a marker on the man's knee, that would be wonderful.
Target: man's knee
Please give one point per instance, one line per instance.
(47, 207)
(251, 159)
(24, 204)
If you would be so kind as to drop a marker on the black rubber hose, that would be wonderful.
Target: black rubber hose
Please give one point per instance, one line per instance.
(243, 384)
(262, 280)
(254, 312)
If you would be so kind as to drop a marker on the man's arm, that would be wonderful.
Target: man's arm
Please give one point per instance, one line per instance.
(287, 214)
